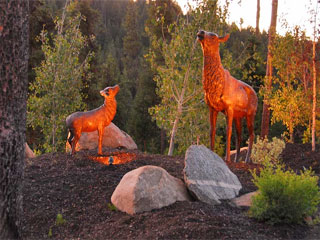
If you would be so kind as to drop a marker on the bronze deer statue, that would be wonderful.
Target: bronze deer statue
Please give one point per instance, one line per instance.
(224, 93)
(96, 119)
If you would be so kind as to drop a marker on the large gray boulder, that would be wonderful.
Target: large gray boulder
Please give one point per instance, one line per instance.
(208, 177)
(147, 188)
(113, 137)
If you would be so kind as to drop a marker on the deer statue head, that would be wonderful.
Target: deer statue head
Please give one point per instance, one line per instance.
(210, 41)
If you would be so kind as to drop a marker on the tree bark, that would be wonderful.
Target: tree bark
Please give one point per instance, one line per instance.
(268, 81)
(258, 18)
(314, 100)
(174, 130)
(14, 52)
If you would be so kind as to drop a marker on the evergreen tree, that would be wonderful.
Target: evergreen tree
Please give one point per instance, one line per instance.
(132, 48)
(144, 130)
(131, 60)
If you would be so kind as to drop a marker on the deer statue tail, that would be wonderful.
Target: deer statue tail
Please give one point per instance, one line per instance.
(70, 136)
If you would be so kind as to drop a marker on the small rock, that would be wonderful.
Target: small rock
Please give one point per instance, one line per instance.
(28, 152)
(244, 200)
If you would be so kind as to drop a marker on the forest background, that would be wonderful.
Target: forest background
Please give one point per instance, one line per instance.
(149, 48)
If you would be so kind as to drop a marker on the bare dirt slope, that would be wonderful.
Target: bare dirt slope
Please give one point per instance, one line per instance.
(80, 189)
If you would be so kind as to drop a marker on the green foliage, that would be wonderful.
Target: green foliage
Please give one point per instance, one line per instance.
(131, 60)
(284, 196)
(60, 220)
(306, 136)
(182, 111)
(112, 207)
(56, 90)
(290, 102)
(265, 152)
(290, 107)
(219, 146)
(142, 128)
(315, 221)
(50, 232)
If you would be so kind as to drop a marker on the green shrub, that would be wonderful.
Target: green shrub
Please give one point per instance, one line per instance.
(264, 152)
(112, 207)
(50, 232)
(284, 196)
(60, 220)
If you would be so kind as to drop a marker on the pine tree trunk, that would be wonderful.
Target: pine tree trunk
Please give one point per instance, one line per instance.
(258, 18)
(314, 100)
(14, 50)
(268, 81)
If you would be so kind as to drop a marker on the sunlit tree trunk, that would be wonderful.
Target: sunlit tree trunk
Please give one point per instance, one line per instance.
(174, 130)
(258, 18)
(314, 100)
(268, 81)
(179, 108)
(14, 39)
(314, 72)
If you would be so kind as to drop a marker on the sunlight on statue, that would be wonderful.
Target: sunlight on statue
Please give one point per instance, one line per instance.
(93, 120)
(224, 93)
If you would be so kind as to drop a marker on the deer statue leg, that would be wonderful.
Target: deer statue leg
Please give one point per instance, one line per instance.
(100, 132)
(238, 124)
(250, 124)
(229, 132)
(213, 121)
(75, 140)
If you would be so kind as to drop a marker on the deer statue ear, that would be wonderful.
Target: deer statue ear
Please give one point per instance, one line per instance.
(224, 39)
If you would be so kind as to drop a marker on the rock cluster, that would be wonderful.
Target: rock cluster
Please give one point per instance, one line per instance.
(206, 177)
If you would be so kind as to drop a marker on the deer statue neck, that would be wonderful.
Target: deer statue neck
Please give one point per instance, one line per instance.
(213, 79)
(110, 108)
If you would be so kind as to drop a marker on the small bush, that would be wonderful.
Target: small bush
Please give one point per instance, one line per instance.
(50, 232)
(284, 196)
(112, 207)
(264, 152)
(60, 220)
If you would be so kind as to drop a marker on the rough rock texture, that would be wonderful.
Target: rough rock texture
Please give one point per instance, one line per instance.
(244, 200)
(208, 177)
(28, 152)
(147, 188)
(113, 137)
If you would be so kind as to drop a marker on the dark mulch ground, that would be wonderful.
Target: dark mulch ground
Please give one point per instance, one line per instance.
(80, 189)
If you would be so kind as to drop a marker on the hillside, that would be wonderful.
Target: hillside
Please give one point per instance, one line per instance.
(80, 189)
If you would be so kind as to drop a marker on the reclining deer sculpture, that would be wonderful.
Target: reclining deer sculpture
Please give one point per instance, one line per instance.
(93, 120)
(224, 93)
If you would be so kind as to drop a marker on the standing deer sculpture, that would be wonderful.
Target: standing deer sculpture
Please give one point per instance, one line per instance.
(224, 93)
(93, 120)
